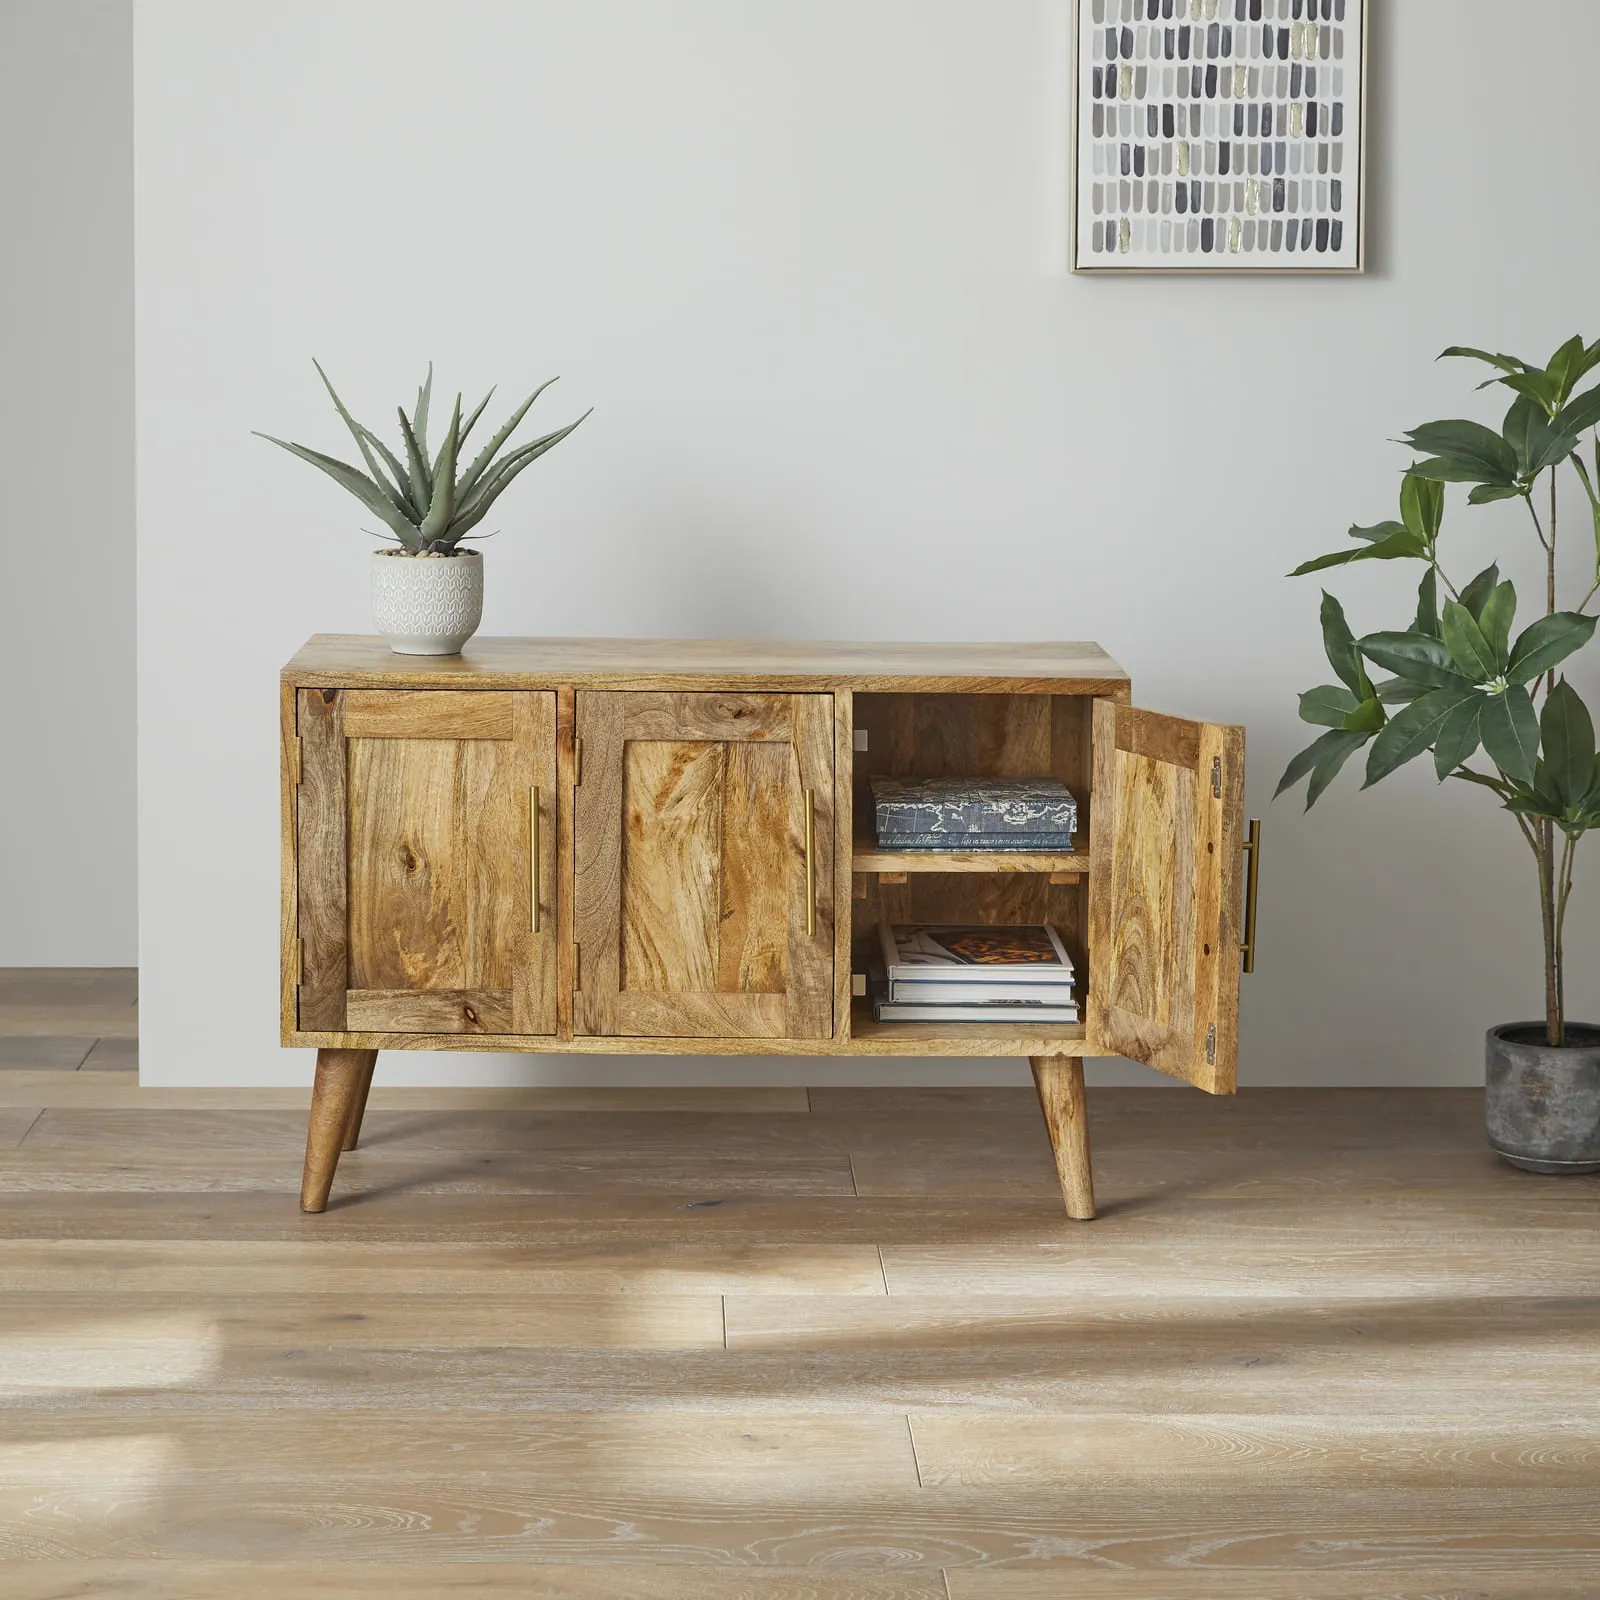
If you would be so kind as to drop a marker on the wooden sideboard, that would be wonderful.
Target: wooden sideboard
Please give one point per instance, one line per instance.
(665, 846)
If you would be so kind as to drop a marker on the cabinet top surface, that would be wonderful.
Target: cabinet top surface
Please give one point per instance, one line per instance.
(346, 660)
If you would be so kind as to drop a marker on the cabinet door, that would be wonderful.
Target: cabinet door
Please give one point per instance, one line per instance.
(703, 902)
(416, 865)
(1164, 877)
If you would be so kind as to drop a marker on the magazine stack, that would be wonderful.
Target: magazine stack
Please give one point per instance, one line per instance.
(933, 973)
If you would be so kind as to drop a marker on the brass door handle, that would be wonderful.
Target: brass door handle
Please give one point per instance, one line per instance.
(811, 864)
(1252, 883)
(533, 855)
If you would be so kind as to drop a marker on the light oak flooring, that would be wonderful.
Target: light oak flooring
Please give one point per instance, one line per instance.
(772, 1345)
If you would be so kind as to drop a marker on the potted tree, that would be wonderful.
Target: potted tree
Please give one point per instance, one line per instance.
(1489, 704)
(427, 593)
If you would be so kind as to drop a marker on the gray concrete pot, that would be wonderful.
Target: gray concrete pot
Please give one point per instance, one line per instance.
(1543, 1104)
(427, 605)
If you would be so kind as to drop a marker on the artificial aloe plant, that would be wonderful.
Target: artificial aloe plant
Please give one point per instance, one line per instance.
(1462, 681)
(429, 504)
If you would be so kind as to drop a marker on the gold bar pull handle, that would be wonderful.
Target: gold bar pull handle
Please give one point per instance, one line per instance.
(533, 855)
(811, 864)
(1252, 883)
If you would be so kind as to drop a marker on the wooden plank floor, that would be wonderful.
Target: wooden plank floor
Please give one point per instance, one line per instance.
(772, 1345)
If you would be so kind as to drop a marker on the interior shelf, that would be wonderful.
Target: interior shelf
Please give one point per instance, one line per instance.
(871, 1038)
(865, 856)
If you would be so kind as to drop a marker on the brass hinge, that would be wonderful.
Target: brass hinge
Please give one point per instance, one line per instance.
(577, 762)
(1211, 1045)
(577, 966)
(1216, 777)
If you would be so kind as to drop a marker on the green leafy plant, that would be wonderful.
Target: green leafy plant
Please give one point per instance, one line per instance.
(1462, 679)
(428, 502)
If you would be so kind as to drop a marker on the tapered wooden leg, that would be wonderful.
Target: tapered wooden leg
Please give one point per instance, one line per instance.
(341, 1077)
(1059, 1080)
(358, 1106)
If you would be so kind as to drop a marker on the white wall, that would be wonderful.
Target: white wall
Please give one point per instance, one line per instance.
(807, 260)
(67, 848)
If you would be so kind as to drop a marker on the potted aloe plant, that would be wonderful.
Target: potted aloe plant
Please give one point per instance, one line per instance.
(427, 593)
(1491, 706)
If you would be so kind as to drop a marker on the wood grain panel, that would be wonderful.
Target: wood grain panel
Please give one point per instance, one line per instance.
(868, 857)
(494, 871)
(535, 981)
(15, 1121)
(46, 1052)
(321, 857)
(689, 873)
(1146, 985)
(1169, 740)
(871, 1038)
(288, 844)
(304, 1265)
(711, 715)
(438, 714)
(597, 884)
(1011, 1323)
(954, 735)
(407, 915)
(430, 1010)
(1081, 1450)
(116, 987)
(1164, 888)
(702, 1015)
(371, 1320)
(762, 858)
(439, 915)
(19, 1089)
(673, 803)
(561, 872)
(1479, 1570)
(578, 1171)
(841, 878)
(675, 1128)
(361, 660)
(1370, 1383)
(260, 1579)
(436, 1518)
(737, 1458)
(45, 1021)
(1219, 902)
(811, 978)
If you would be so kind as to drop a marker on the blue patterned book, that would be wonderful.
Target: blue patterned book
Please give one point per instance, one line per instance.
(994, 808)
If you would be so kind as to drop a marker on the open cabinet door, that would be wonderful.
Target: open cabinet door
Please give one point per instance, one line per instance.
(1164, 882)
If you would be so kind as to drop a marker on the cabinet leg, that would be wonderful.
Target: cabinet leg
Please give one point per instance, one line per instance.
(1059, 1080)
(342, 1076)
(358, 1106)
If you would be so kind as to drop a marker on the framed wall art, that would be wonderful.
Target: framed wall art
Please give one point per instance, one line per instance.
(1219, 136)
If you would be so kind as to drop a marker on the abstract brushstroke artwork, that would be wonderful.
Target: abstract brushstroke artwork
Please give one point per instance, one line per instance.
(1219, 136)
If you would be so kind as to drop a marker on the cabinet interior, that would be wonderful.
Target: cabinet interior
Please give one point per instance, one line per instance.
(918, 735)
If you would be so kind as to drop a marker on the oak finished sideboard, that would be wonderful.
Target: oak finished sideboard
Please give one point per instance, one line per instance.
(657, 846)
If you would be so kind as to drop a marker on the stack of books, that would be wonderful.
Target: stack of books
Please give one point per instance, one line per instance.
(974, 974)
(973, 814)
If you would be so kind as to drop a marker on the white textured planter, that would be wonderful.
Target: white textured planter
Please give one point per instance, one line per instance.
(427, 605)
